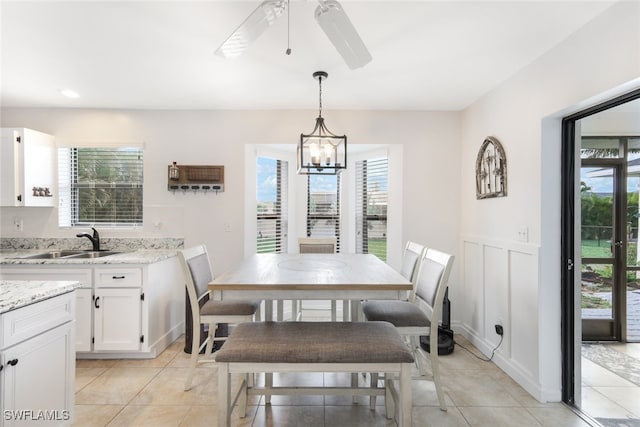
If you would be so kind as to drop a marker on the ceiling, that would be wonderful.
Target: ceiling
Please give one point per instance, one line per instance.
(427, 55)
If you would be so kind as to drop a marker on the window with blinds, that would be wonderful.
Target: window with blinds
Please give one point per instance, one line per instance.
(100, 186)
(271, 195)
(372, 195)
(323, 207)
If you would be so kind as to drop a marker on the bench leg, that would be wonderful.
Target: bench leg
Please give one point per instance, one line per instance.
(405, 398)
(389, 406)
(268, 383)
(373, 384)
(224, 389)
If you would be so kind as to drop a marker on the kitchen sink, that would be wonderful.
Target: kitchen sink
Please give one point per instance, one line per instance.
(70, 254)
(53, 254)
(93, 254)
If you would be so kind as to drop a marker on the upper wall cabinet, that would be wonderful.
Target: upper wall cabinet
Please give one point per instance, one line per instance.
(27, 168)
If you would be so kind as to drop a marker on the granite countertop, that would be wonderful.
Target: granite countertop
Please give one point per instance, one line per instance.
(19, 293)
(140, 256)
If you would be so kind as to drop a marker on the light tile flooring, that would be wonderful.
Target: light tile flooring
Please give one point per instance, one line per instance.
(150, 392)
(607, 395)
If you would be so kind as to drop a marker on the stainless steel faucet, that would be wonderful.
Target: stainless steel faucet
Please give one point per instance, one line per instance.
(95, 239)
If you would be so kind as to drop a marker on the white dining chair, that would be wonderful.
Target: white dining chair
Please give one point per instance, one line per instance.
(415, 318)
(316, 245)
(205, 310)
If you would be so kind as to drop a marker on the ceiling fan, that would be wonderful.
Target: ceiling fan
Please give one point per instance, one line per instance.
(330, 16)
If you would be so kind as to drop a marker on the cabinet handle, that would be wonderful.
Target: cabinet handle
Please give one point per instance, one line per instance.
(117, 277)
(12, 362)
(95, 303)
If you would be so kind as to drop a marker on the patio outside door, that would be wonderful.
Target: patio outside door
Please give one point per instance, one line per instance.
(610, 267)
(602, 250)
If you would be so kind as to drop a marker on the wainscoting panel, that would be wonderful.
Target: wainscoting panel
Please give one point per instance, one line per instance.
(500, 285)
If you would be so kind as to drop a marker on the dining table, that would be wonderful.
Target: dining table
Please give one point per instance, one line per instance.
(337, 276)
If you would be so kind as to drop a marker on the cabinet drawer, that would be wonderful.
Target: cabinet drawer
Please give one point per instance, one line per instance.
(118, 277)
(26, 322)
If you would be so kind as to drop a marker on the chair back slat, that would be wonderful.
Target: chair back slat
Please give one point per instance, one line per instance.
(200, 271)
(197, 275)
(412, 253)
(432, 281)
(310, 245)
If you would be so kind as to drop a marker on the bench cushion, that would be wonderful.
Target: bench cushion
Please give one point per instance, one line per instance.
(315, 342)
(399, 313)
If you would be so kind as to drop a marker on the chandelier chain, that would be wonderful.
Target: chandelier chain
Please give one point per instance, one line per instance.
(320, 102)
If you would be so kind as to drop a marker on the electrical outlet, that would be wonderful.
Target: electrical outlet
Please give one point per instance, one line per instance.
(499, 329)
(18, 224)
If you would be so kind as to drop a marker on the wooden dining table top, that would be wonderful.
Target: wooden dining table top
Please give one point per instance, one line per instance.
(312, 272)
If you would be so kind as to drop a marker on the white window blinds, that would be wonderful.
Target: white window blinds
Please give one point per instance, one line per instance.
(271, 195)
(100, 186)
(323, 207)
(372, 195)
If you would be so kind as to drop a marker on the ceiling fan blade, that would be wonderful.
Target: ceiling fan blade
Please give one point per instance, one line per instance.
(251, 28)
(338, 27)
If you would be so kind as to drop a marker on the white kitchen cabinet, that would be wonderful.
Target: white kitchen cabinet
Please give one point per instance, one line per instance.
(37, 380)
(123, 310)
(27, 159)
(118, 299)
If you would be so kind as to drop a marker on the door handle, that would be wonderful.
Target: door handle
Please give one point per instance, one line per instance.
(95, 303)
(614, 245)
(12, 362)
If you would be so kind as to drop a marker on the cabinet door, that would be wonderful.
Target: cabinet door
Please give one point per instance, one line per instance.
(27, 159)
(117, 319)
(11, 163)
(31, 389)
(38, 174)
(84, 324)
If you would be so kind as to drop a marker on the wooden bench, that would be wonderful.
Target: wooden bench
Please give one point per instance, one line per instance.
(315, 347)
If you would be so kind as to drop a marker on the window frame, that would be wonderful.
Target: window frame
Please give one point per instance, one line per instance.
(280, 214)
(70, 186)
(362, 214)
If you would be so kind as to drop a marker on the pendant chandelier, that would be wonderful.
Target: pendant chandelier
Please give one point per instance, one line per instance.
(321, 152)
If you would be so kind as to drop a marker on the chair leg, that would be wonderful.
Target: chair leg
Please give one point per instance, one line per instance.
(244, 395)
(193, 361)
(414, 342)
(210, 338)
(435, 369)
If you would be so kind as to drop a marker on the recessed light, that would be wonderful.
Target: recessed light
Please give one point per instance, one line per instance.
(69, 93)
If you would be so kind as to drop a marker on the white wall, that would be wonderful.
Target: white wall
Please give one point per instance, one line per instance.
(431, 174)
(519, 282)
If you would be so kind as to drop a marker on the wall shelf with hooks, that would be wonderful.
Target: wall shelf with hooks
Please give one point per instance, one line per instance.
(195, 178)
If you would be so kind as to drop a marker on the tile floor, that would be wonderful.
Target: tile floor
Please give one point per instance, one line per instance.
(607, 395)
(150, 392)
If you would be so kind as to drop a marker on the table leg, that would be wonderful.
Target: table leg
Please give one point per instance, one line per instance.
(280, 310)
(356, 309)
(268, 310)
